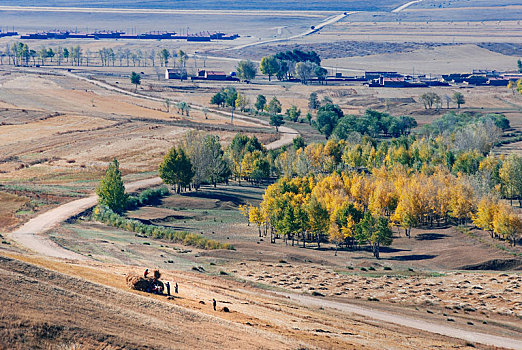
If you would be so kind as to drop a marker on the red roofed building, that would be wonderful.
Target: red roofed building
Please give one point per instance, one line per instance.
(392, 82)
(212, 75)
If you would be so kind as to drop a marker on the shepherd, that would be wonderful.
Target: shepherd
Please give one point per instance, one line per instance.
(176, 288)
(168, 288)
(146, 273)
(214, 303)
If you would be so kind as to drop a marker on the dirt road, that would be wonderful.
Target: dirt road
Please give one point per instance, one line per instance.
(31, 237)
(312, 30)
(405, 6)
(402, 320)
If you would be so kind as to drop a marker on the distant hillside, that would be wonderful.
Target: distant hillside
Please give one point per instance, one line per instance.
(290, 5)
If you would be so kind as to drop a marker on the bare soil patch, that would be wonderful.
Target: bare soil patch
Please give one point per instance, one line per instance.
(9, 205)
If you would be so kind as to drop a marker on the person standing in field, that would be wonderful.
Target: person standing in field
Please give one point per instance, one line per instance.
(176, 288)
(146, 273)
(168, 288)
(214, 304)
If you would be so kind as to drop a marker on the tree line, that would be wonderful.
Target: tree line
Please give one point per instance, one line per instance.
(20, 53)
(431, 99)
(285, 66)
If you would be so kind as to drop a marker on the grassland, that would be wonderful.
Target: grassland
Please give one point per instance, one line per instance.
(58, 132)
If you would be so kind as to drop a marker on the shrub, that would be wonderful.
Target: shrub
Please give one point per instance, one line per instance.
(108, 217)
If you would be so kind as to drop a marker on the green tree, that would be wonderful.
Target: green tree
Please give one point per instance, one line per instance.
(176, 168)
(365, 228)
(135, 79)
(276, 120)
(274, 107)
(284, 68)
(164, 56)
(218, 99)
(260, 102)
(298, 143)
(309, 118)
(320, 73)
(458, 98)
(66, 54)
(217, 166)
(237, 150)
(305, 71)
(382, 235)
(313, 101)
(230, 100)
(111, 192)
(182, 58)
(269, 65)
(50, 54)
(246, 70)
(429, 99)
(293, 113)
(327, 118)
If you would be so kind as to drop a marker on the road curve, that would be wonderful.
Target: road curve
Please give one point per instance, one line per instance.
(405, 6)
(287, 134)
(30, 235)
(432, 327)
(317, 28)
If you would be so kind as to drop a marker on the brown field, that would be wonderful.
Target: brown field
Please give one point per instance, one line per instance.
(126, 319)
(59, 130)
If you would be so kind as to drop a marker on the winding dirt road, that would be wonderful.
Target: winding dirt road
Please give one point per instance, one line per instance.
(432, 327)
(315, 29)
(31, 234)
(405, 6)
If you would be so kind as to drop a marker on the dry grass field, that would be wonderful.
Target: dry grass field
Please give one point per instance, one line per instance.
(59, 130)
(126, 319)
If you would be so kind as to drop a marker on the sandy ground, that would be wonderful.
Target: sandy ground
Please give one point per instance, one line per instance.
(439, 60)
(464, 292)
(258, 318)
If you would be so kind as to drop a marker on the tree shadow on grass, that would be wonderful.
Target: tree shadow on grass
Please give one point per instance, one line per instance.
(412, 257)
(215, 195)
(430, 236)
(392, 250)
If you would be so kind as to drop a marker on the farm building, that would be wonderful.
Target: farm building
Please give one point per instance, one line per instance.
(376, 75)
(212, 75)
(392, 82)
(175, 73)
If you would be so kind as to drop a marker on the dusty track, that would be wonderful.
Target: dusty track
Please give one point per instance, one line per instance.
(405, 6)
(30, 235)
(327, 22)
(402, 320)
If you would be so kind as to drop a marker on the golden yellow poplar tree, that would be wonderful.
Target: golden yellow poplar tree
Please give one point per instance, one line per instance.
(507, 224)
(255, 216)
(461, 200)
(487, 209)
